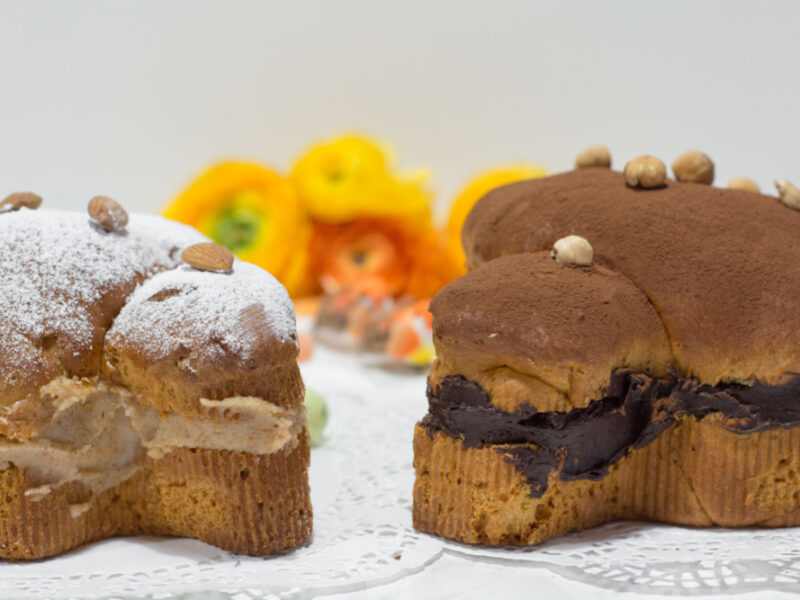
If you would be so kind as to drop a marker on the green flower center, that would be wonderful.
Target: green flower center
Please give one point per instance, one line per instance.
(237, 226)
(335, 175)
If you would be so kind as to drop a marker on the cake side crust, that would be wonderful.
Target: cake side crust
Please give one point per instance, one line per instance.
(696, 473)
(246, 503)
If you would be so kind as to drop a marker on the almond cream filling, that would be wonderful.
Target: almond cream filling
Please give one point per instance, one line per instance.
(100, 435)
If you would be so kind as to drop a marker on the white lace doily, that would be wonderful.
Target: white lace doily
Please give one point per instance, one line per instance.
(361, 481)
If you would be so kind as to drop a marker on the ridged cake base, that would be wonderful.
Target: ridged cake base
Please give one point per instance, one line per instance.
(252, 504)
(696, 473)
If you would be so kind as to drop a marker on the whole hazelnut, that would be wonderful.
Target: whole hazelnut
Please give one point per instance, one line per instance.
(573, 250)
(695, 167)
(788, 193)
(744, 184)
(646, 172)
(594, 156)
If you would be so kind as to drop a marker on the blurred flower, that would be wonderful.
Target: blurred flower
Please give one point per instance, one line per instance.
(474, 191)
(343, 220)
(372, 228)
(253, 211)
(379, 256)
(350, 177)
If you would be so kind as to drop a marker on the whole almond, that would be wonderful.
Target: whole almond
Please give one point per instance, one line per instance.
(694, 167)
(646, 172)
(208, 256)
(253, 320)
(594, 156)
(107, 213)
(744, 184)
(17, 200)
(788, 193)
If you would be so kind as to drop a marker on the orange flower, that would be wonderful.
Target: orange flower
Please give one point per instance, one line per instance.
(379, 256)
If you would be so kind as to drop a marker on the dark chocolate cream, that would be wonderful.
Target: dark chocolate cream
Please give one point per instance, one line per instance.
(585, 442)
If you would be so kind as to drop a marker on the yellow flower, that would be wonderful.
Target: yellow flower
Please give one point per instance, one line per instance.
(350, 177)
(254, 212)
(474, 191)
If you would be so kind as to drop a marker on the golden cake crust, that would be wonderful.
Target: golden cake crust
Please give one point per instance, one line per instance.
(696, 473)
(241, 502)
(82, 302)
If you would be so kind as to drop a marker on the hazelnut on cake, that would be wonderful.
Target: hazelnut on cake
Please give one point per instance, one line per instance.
(624, 346)
(143, 393)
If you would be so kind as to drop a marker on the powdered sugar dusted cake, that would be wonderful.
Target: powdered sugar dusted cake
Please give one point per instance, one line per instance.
(139, 394)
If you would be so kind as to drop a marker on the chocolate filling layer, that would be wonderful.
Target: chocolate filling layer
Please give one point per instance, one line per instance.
(585, 442)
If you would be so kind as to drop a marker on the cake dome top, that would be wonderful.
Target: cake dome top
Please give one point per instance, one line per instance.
(720, 267)
(66, 284)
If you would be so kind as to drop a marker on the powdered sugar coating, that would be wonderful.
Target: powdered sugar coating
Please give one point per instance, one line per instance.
(55, 266)
(187, 308)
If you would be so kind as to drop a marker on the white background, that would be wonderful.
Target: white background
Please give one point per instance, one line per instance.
(131, 99)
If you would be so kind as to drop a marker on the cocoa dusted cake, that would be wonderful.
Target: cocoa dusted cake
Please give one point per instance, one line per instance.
(140, 394)
(624, 346)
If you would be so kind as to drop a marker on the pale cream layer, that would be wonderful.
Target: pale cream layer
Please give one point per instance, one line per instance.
(100, 435)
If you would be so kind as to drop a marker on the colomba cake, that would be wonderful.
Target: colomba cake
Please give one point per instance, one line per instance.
(148, 385)
(624, 346)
